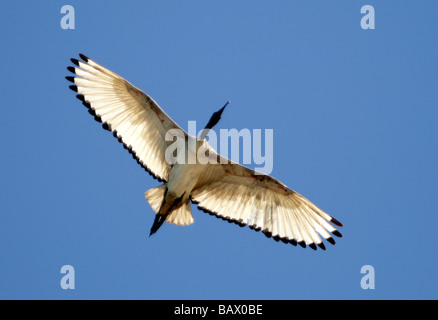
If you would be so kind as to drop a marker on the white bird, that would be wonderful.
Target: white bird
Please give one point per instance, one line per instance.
(227, 190)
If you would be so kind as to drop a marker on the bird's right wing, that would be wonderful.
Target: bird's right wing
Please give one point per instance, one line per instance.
(133, 117)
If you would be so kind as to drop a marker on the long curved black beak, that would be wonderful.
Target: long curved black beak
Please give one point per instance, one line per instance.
(213, 121)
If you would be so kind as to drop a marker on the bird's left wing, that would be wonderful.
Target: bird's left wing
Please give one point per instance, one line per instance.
(237, 194)
(133, 117)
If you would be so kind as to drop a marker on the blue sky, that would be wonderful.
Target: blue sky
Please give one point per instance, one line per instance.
(354, 114)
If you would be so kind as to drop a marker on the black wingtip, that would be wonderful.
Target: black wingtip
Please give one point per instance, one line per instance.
(83, 57)
(321, 245)
(331, 240)
(106, 126)
(71, 79)
(337, 233)
(313, 246)
(336, 222)
(71, 69)
(268, 234)
(75, 61)
(80, 97)
(74, 88)
(302, 244)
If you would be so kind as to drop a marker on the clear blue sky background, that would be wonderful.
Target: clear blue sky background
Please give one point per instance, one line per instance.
(354, 114)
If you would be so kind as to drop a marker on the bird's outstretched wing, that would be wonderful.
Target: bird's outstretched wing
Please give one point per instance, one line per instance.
(133, 117)
(237, 194)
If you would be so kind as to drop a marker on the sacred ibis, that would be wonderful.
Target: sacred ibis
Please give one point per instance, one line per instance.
(225, 189)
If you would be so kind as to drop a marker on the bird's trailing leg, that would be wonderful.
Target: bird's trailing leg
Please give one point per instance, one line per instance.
(158, 222)
(169, 204)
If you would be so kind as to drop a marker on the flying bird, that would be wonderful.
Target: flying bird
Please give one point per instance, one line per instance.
(224, 189)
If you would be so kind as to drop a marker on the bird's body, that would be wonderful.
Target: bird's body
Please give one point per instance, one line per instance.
(183, 178)
(220, 187)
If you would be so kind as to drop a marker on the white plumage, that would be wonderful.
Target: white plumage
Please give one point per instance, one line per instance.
(227, 190)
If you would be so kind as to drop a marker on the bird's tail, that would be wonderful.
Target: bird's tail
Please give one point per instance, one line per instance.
(155, 197)
(182, 215)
